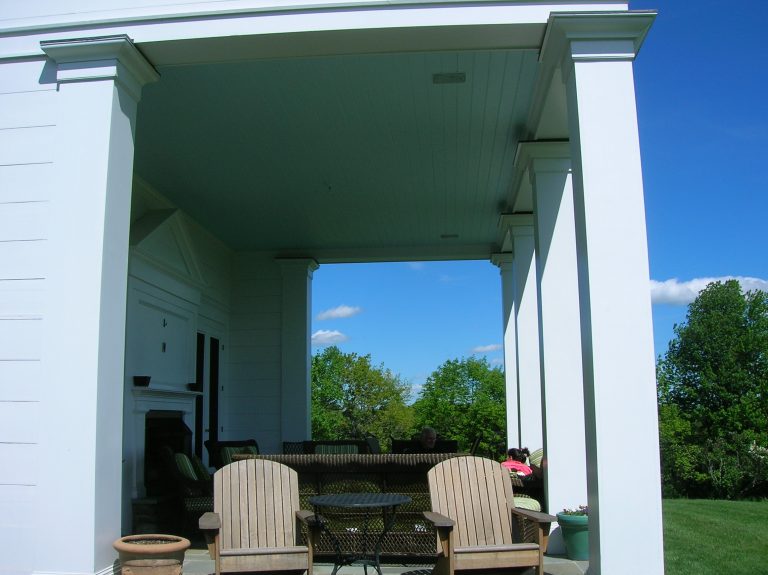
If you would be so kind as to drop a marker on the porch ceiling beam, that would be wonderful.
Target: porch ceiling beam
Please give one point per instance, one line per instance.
(397, 253)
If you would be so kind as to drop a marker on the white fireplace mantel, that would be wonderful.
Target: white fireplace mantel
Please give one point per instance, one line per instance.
(147, 399)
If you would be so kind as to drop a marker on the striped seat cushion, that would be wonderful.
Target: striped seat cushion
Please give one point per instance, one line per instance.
(201, 471)
(185, 467)
(528, 503)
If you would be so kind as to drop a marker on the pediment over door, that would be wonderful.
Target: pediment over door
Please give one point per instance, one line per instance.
(159, 234)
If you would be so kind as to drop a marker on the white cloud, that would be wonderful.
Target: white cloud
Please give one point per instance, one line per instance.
(341, 311)
(497, 361)
(675, 292)
(415, 265)
(486, 348)
(324, 337)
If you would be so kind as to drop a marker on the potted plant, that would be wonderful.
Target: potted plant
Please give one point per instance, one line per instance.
(574, 525)
(151, 554)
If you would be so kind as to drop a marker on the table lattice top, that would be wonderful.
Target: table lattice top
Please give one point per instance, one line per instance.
(359, 500)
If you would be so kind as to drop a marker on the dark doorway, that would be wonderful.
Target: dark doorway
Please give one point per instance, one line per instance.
(199, 379)
(213, 391)
(163, 430)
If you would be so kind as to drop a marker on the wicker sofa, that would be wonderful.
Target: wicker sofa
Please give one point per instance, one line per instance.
(411, 538)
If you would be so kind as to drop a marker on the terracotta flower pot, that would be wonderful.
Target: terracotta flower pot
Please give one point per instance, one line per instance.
(151, 554)
(151, 567)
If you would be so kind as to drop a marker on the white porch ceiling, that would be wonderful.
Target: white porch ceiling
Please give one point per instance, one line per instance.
(342, 157)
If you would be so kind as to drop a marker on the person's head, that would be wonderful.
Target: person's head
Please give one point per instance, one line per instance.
(428, 438)
(520, 455)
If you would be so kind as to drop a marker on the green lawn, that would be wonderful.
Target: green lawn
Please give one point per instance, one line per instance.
(715, 537)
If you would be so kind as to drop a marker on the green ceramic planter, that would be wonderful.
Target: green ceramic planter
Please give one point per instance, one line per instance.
(575, 529)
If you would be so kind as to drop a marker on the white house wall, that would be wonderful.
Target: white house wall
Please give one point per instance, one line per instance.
(27, 128)
(251, 399)
(178, 285)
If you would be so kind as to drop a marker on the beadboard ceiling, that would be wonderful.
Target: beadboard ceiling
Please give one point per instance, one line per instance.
(341, 158)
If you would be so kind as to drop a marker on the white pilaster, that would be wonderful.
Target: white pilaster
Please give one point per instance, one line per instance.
(99, 84)
(619, 376)
(548, 167)
(527, 327)
(505, 263)
(296, 348)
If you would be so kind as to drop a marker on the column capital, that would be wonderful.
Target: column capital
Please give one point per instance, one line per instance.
(559, 151)
(513, 226)
(106, 57)
(519, 220)
(550, 155)
(503, 260)
(590, 37)
(297, 265)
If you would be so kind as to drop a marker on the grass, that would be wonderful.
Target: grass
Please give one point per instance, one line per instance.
(715, 537)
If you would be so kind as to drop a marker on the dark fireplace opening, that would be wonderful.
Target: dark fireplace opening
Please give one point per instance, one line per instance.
(163, 428)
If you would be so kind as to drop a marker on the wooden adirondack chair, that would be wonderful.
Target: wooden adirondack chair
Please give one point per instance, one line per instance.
(477, 523)
(256, 521)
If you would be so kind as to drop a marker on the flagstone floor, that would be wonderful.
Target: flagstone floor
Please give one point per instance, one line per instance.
(197, 562)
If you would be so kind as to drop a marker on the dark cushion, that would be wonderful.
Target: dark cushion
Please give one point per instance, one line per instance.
(227, 452)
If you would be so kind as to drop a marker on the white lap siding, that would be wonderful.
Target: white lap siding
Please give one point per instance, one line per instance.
(251, 400)
(26, 188)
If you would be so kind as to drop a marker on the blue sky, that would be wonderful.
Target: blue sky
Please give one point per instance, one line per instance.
(702, 95)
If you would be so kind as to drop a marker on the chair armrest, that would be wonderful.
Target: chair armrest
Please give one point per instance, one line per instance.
(209, 524)
(539, 522)
(309, 518)
(445, 533)
(314, 524)
(536, 516)
(304, 515)
(438, 520)
(209, 521)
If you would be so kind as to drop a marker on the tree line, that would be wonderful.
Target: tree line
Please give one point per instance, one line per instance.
(462, 399)
(713, 397)
(712, 386)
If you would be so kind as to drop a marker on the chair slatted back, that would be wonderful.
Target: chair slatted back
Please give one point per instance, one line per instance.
(477, 494)
(536, 457)
(256, 500)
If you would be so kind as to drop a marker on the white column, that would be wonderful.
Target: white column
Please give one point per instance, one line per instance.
(505, 263)
(619, 375)
(560, 338)
(99, 84)
(527, 327)
(296, 348)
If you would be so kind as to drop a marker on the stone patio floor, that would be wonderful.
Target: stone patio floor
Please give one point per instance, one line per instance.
(197, 562)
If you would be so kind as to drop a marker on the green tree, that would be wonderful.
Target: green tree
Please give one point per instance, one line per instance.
(464, 399)
(713, 396)
(351, 398)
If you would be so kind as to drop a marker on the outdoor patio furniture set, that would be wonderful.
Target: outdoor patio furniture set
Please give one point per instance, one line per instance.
(323, 467)
(277, 512)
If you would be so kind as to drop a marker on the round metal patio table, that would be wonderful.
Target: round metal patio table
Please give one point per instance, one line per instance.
(387, 502)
